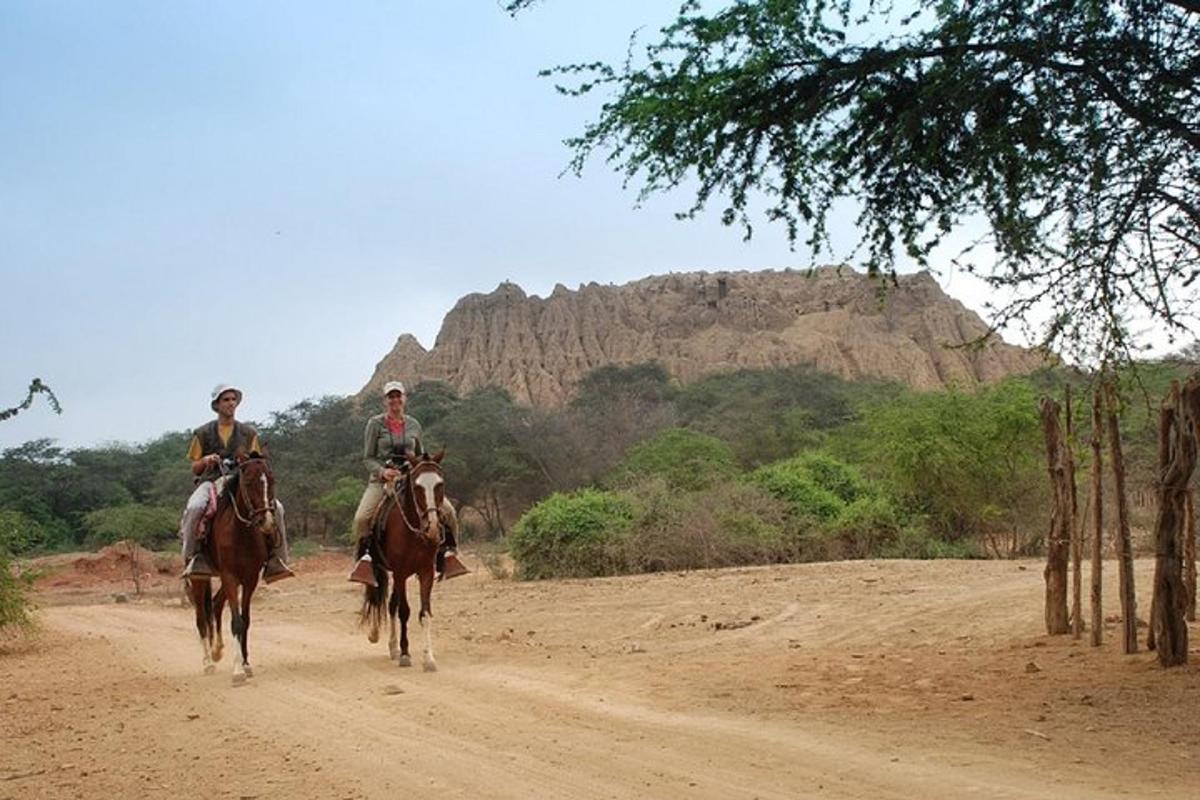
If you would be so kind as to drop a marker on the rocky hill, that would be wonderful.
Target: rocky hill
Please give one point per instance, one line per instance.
(699, 323)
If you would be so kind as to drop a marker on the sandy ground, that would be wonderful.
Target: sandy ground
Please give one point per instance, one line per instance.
(846, 680)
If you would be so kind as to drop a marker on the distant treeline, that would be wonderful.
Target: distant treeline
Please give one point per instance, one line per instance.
(638, 472)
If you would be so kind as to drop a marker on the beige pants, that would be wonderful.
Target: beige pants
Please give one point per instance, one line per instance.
(373, 495)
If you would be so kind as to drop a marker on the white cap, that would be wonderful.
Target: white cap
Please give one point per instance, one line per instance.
(393, 386)
(221, 389)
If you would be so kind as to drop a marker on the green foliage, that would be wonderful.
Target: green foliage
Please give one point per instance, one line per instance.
(727, 525)
(485, 464)
(571, 534)
(340, 503)
(15, 604)
(1067, 127)
(35, 387)
(969, 461)
(769, 414)
(685, 460)
(146, 525)
(20, 533)
(430, 402)
(813, 484)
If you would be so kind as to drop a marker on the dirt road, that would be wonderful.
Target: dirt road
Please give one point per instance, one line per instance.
(849, 680)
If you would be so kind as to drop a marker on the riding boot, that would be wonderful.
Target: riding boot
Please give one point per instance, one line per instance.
(363, 571)
(198, 567)
(275, 569)
(195, 560)
(447, 563)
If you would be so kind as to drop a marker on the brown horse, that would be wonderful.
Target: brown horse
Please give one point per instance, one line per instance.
(412, 531)
(237, 547)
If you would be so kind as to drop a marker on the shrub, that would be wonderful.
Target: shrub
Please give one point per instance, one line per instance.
(809, 485)
(571, 534)
(730, 524)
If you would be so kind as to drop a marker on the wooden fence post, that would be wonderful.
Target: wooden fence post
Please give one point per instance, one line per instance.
(1097, 520)
(1124, 540)
(1061, 520)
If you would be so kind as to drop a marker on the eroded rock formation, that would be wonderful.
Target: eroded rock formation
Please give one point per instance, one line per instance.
(699, 323)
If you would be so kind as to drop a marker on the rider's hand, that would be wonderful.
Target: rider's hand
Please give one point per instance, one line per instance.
(213, 459)
(388, 475)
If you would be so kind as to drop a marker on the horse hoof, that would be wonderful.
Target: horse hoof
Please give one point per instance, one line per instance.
(430, 666)
(404, 660)
(239, 679)
(209, 669)
(373, 636)
(249, 671)
(217, 653)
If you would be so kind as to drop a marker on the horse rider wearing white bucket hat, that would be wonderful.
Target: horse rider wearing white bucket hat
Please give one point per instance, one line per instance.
(212, 444)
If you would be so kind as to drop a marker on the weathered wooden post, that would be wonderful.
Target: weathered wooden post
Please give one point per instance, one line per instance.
(1176, 460)
(1061, 520)
(1076, 528)
(1124, 540)
(1097, 520)
(1189, 555)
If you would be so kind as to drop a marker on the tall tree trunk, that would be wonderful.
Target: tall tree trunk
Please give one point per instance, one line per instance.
(1061, 521)
(1097, 520)
(1189, 555)
(1124, 540)
(1176, 461)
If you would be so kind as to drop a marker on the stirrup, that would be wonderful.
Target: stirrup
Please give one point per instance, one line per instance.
(453, 567)
(364, 572)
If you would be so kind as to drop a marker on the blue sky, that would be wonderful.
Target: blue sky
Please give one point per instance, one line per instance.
(270, 193)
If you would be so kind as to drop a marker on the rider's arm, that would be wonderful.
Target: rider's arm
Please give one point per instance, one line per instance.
(371, 458)
(196, 455)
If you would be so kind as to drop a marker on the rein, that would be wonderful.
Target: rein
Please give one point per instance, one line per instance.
(418, 528)
(254, 512)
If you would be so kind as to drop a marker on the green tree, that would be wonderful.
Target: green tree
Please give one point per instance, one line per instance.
(1069, 128)
(133, 526)
(486, 466)
(340, 503)
(769, 414)
(969, 461)
(686, 460)
(35, 387)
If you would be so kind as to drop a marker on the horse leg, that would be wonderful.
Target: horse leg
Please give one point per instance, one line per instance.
(426, 618)
(235, 624)
(202, 601)
(247, 593)
(217, 640)
(401, 593)
(393, 611)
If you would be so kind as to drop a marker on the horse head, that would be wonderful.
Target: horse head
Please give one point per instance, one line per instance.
(254, 499)
(427, 488)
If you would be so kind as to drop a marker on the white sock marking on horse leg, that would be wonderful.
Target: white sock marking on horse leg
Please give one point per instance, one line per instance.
(206, 661)
(393, 637)
(427, 628)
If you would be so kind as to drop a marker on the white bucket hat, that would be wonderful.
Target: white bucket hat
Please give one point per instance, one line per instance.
(221, 389)
(393, 386)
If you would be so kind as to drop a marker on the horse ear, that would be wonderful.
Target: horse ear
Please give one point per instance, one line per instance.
(411, 459)
(440, 455)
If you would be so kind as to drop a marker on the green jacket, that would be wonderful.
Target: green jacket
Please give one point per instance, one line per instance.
(379, 443)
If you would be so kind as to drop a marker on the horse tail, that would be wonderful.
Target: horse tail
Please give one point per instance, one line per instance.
(375, 597)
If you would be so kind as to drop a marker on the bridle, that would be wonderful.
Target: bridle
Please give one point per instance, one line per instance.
(424, 521)
(253, 518)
